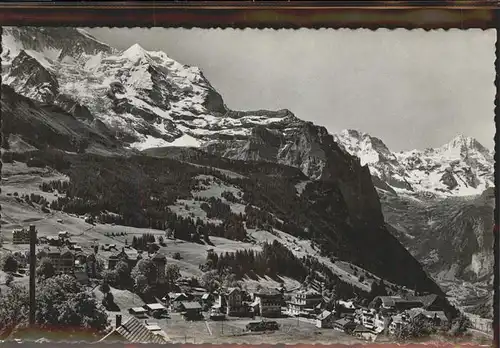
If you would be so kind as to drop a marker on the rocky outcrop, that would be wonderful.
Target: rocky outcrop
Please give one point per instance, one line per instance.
(29, 77)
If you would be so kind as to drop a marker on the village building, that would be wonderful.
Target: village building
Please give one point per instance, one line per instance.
(207, 300)
(81, 274)
(364, 333)
(128, 256)
(267, 303)
(381, 322)
(344, 325)
(346, 308)
(397, 322)
(62, 259)
(152, 308)
(160, 262)
(174, 300)
(191, 310)
(431, 302)
(20, 236)
(304, 302)
(196, 294)
(436, 318)
(325, 320)
(133, 331)
(232, 301)
(396, 303)
(138, 312)
(53, 240)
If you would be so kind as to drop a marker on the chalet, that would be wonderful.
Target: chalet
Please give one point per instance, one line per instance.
(437, 318)
(129, 256)
(161, 262)
(346, 308)
(396, 303)
(364, 333)
(197, 293)
(304, 302)
(325, 320)
(54, 241)
(138, 312)
(233, 302)
(81, 274)
(62, 259)
(20, 236)
(133, 331)
(344, 325)
(381, 322)
(268, 303)
(191, 310)
(396, 322)
(207, 299)
(431, 302)
(152, 308)
(366, 318)
(174, 300)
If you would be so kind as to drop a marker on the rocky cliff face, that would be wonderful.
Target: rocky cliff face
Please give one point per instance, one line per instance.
(137, 99)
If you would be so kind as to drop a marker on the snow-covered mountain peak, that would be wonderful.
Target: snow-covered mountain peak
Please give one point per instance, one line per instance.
(135, 53)
(369, 149)
(463, 146)
(460, 167)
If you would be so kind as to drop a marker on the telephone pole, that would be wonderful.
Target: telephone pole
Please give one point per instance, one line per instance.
(32, 232)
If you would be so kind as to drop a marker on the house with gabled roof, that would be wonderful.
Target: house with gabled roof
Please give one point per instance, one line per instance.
(344, 325)
(364, 333)
(133, 331)
(325, 320)
(304, 302)
(160, 260)
(268, 302)
(62, 259)
(396, 303)
(430, 302)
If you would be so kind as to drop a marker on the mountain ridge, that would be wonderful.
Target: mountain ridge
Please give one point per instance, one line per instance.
(461, 167)
(144, 99)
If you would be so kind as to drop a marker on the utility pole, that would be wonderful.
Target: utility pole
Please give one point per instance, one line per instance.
(32, 232)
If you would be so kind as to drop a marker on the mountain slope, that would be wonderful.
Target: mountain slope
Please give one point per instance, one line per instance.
(292, 169)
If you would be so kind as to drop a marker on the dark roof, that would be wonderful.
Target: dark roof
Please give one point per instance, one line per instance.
(55, 250)
(135, 332)
(343, 321)
(231, 290)
(267, 292)
(361, 328)
(426, 300)
(396, 300)
(191, 305)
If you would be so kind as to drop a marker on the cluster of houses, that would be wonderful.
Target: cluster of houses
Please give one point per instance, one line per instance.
(384, 315)
(232, 302)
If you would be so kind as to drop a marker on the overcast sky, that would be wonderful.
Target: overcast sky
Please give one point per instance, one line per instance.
(412, 89)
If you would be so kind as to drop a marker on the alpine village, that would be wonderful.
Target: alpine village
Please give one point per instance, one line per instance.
(137, 207)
